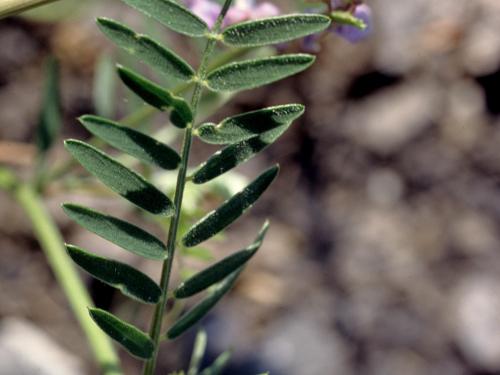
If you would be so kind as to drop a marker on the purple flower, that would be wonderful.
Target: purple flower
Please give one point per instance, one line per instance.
(242, 10)
(352, 33)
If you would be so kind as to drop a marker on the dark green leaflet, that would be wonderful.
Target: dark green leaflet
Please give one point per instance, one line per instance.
(132, 142)
(254, 73)
(236, 154)
(119, 178)
(247, 125)
(50, 121)
(230, 210)
(119, 232)
(172, 15)
(128, 280)
(274, 30)
(221, 269)
(151, 52)
(201, 309)
(157, 97)
(131, 338)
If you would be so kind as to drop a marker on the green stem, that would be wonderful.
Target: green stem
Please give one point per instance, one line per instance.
(12, 7)
(156, 325)
(66, 274)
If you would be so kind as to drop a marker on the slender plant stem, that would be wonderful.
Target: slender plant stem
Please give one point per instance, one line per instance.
(11, 7)
(65, 272)
(156, 325)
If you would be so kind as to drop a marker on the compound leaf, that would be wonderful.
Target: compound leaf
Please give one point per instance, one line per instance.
(172, 15)
(157, 97)
(131, 338)
(134, 143)
(246, 125)
(119, 232)
(254, 73)
(235, 154)
(146, 49)
(274, 30)
(221, 269)
(128, 280)
(230, 210)
(201, 309)
(119, 178)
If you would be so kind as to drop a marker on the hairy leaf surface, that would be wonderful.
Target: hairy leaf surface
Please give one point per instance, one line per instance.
(157, 97)
(131, 338)
(247, 125)
(235, 154)
(201, 309)
(148, 50)
(221, 269)
(254, 73)
(172, 15)
(230, 210)
(274, 30)
(128, 280)
(134, 143)
(119, 232)
(119, 178)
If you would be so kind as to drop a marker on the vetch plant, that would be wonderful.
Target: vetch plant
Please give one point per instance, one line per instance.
(241, 137)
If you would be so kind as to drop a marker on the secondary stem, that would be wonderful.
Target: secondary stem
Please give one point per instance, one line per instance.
(51, 243)
(155, 331)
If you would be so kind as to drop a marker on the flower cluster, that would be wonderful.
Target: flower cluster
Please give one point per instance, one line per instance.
(242, 10)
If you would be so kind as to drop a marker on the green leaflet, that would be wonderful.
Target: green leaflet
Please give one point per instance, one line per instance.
(104, 86)
(128, 280)
(157, 97)
(131, 338)
(221, 269)
(230, 210)
(146, 49)
(346, 18)
(172, 15)
(254, 73)
(235, 154)
(244, 126)
(199, 349)
(274, 30)
(132, 142)
(201, 309)
(218, 365)
(119, 232)
(50, 121)
(119, 178)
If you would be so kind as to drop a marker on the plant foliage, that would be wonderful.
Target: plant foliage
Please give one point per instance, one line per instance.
(243, 136)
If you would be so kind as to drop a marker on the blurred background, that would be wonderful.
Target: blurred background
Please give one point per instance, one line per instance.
(383, 254)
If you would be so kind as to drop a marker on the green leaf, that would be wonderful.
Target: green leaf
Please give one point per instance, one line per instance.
(244, 126)
(131, 338)
(230, 210)
(235, 154)
(128, 280)
(119, 178)
(104, 87)
(219, 364)
(119, 232)
(50, 121)
(201, 309)
(200, 346)
(146, 49)
(157, 97)
(347, 18)
(254, 73)
(172, 15)
(274, 30)
(221, 269)
(134, 143)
